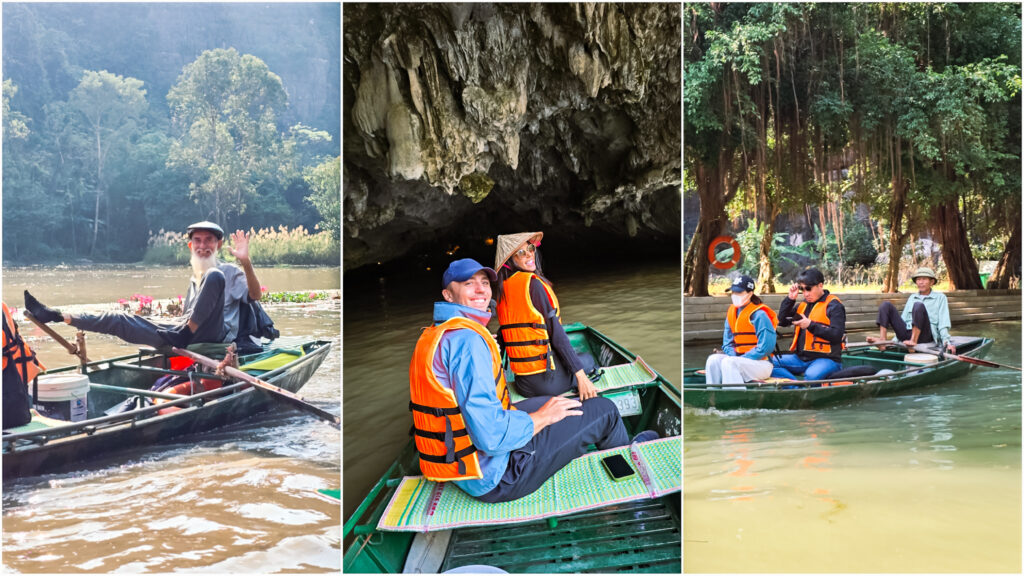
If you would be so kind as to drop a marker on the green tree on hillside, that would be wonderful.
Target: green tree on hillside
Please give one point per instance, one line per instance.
(224, 110)
(325, 181)
(107, 109)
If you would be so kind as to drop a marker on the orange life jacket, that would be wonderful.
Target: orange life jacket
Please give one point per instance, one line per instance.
(187, 388)
(818, 347)
(744, 336)
(446, 450)
(523, 330)
(17, 351)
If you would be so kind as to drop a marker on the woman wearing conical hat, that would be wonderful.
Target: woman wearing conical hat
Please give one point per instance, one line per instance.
(531, 332)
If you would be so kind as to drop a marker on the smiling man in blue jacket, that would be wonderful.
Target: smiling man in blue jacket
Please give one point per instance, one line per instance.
(465, 428)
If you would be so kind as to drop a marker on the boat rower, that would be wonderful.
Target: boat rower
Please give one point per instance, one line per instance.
(925, 316)
(216, 294)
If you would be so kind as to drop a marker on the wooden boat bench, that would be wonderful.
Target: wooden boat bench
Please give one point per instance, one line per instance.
(421, 505)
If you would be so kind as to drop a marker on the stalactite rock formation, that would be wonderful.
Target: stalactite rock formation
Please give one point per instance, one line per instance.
(502, 114)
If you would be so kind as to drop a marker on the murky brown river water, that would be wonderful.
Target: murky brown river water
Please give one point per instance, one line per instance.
(927, 481)
(239, 499)
(637, 307)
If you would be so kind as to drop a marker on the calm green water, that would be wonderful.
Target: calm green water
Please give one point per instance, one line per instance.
(240, 499)
(929, 481)
(638, 308)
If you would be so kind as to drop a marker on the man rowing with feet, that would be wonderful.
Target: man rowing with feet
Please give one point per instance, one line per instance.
(211, 309)
(466, 429)
(925, 318)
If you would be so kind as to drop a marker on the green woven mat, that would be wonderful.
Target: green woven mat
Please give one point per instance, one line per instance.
(612, 377)
(421, 505)
(38, 422)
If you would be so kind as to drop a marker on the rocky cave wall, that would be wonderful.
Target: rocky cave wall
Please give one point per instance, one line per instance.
(469, 118)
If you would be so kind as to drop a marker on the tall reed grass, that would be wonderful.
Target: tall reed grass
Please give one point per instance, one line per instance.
(268, 247)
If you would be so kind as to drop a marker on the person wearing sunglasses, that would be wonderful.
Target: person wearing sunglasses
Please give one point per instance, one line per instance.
(820, 322)
(531, 332)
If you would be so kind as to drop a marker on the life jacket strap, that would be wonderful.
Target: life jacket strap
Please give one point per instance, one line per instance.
(530, 359)
(443, 458)
(521, 325)
(433, 410)
(528, 343)
(437, 435)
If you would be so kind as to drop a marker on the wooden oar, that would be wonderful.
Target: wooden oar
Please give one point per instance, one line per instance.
(275, 392)
(926, 349)
(72, 349)
(979, 361)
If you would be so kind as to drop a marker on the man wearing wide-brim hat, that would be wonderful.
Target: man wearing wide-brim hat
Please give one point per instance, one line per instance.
(211, 307)
(925, 317)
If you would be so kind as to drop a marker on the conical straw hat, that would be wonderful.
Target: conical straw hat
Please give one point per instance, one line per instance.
(508, 244)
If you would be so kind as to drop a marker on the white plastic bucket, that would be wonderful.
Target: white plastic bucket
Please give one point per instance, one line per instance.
(921, 358)
(64, 396)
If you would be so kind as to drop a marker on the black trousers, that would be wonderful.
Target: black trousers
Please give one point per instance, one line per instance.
(208, 313)
(553, 382)
(890, 318)
(16, 399)
(557, 445)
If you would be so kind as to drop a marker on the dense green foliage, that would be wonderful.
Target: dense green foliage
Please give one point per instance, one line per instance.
(121, 120)
(808, 110)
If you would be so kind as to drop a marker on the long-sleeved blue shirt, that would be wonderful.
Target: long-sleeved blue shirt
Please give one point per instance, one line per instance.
(766, 336)
(463, 363)
(938, 313)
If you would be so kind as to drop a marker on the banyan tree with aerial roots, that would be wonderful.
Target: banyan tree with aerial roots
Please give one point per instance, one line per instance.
(909, 113)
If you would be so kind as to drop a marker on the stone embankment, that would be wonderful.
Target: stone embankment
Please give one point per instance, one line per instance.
(704, 317)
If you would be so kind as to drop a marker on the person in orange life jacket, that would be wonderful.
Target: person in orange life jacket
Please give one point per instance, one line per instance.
(20, 367)
(820, 327)
(748, 340)
(516, 449)
(531, 327)
(212, 303)
(925, 317)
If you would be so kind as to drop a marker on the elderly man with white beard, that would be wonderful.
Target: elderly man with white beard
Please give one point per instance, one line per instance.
(211, 308)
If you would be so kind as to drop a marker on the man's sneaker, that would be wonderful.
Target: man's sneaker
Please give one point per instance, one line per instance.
(41, 313)
(645, 436)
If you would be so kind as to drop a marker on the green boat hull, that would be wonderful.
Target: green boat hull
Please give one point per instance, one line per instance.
(697, 395)
(632, 537)
(79, 444)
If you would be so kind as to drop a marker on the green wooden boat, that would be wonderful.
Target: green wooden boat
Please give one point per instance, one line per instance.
(789, 395)
(46, 445)
(639, 536)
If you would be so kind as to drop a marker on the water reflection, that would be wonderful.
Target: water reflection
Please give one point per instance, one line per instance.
(774, 490)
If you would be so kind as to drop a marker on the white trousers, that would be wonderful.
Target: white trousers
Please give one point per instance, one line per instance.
(725, 369)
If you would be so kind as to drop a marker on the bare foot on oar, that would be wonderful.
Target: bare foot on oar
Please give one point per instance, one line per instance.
(882, 344)
(909, 344)
(230, 359)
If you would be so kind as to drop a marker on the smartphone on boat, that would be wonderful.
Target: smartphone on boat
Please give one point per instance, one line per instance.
(617, 467)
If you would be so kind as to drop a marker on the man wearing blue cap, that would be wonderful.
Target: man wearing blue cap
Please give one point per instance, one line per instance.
(466, 430)
(211, 307)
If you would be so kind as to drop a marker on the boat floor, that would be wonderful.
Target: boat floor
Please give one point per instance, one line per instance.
(639, 536)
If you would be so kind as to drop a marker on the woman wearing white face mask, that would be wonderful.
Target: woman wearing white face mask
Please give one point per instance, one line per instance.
(748, 341)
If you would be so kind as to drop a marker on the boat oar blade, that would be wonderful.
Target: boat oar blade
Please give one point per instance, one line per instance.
(275, 392)
(980, 362)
